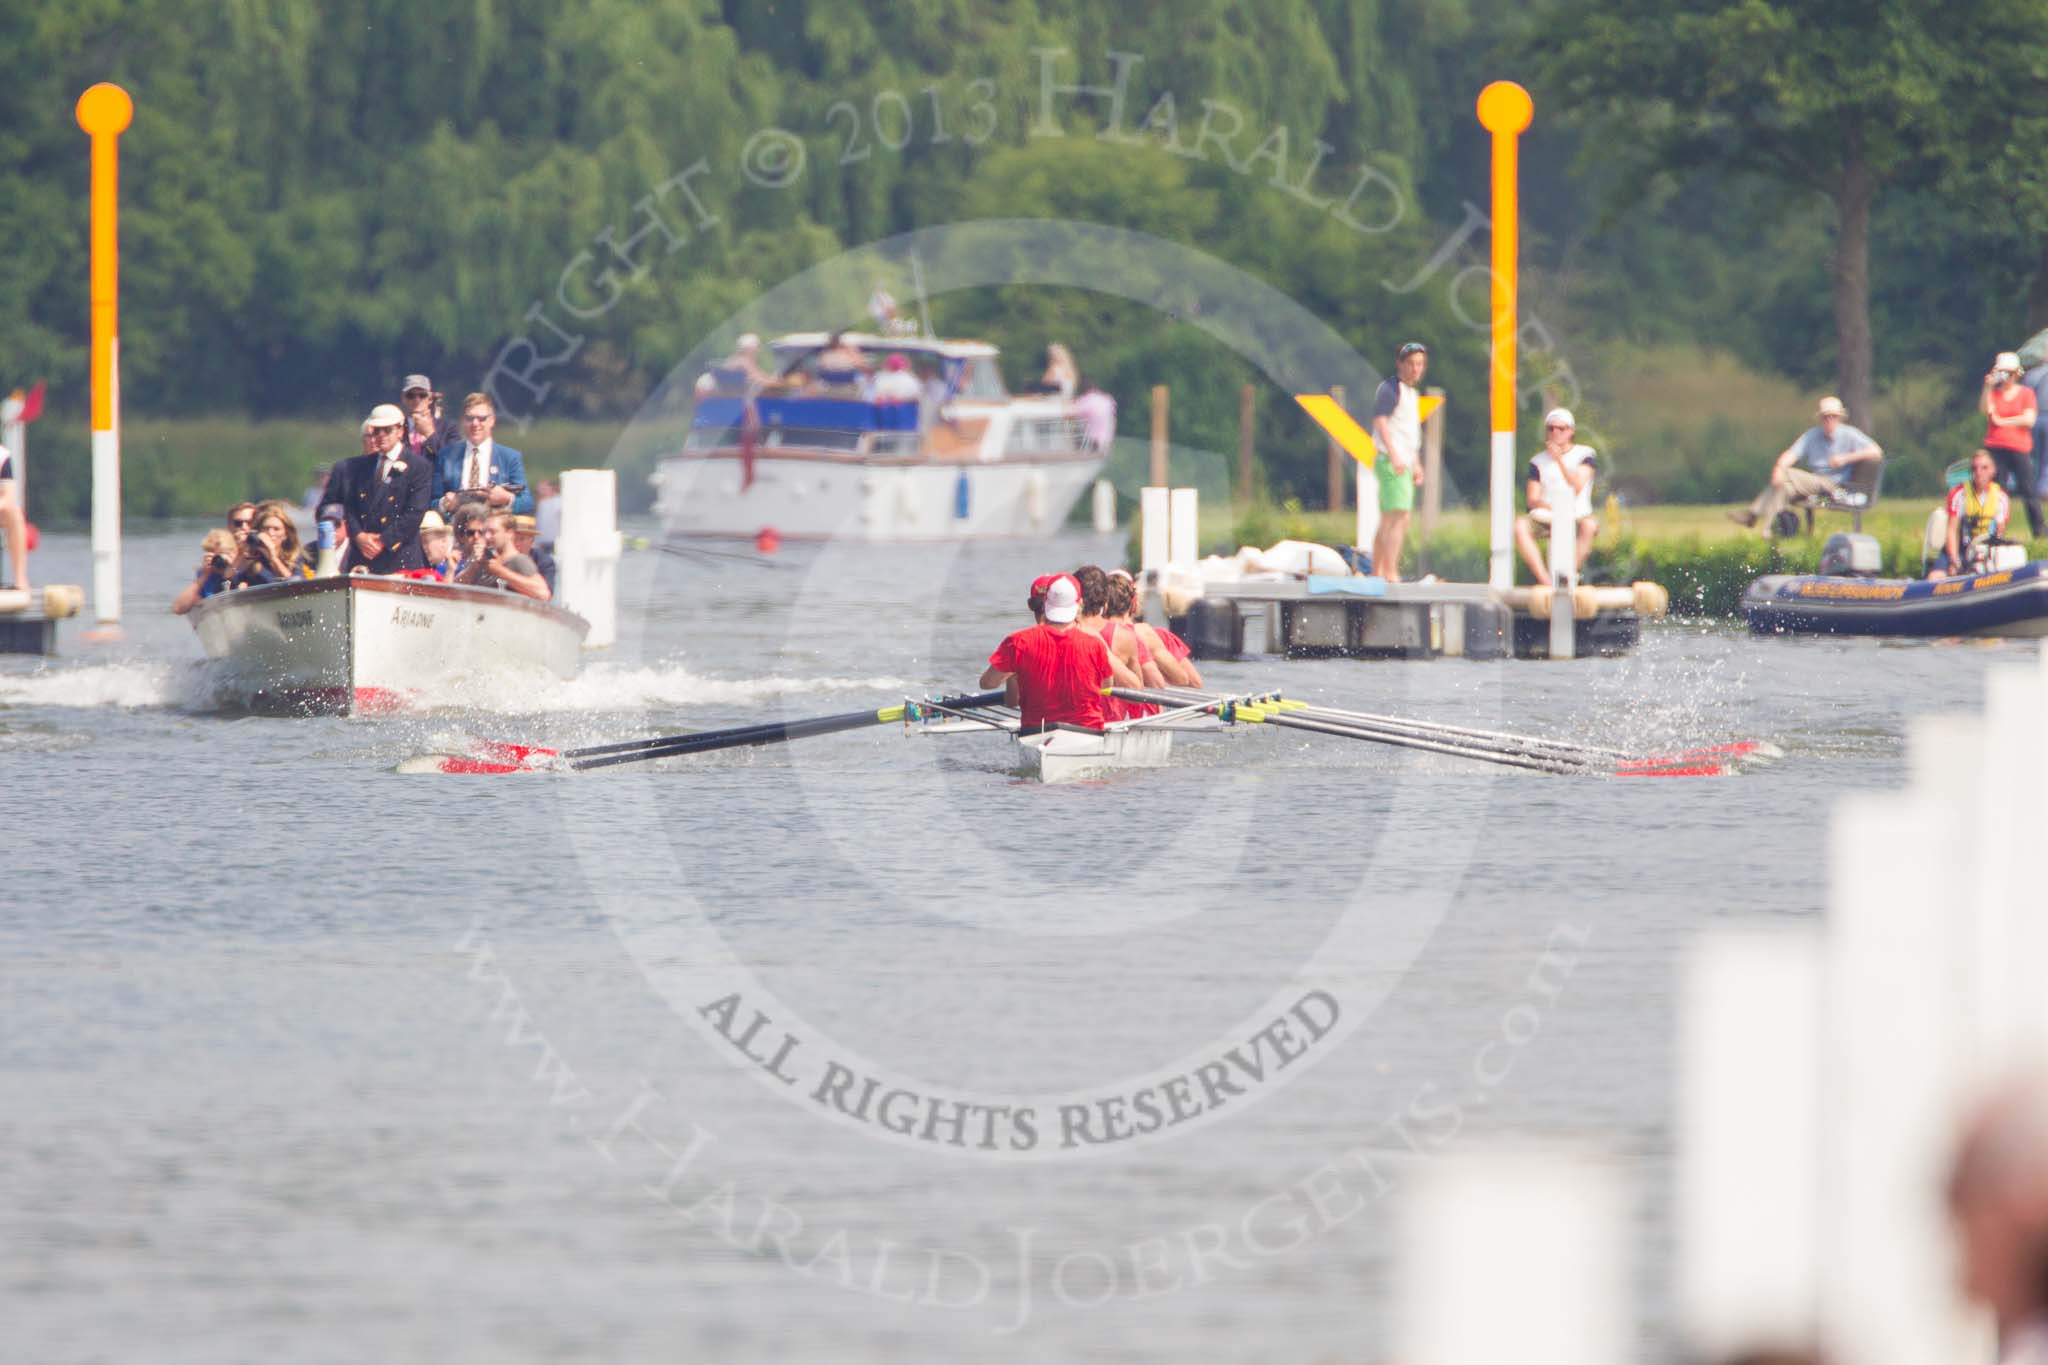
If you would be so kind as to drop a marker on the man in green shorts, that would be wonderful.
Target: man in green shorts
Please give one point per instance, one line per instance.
(1397, 431)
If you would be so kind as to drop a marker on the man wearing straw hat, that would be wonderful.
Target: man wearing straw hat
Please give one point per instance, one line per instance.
(1827, 450)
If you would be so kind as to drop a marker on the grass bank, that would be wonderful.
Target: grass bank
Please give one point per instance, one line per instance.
(1702, 557)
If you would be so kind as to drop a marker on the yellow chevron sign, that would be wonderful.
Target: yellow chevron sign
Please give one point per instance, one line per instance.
(1331, 417)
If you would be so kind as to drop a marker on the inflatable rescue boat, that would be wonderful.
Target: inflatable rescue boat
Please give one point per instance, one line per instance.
(1848, 598)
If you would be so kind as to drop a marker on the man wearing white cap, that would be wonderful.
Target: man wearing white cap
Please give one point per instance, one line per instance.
(2009, 411)
(1561, 467)
(1827, 449)
(1054, 671)
(382, 493)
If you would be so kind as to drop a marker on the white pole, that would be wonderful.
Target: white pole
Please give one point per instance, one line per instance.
(587, 551)
(2014, 938)
(1152, 529)
(1183, 546)
(106, 504)
(1104, 508)
(1889, 1040)
(1564, 572)
(1500, 485)
(1368, 523)
(1513, 1256)
(1748, 1155)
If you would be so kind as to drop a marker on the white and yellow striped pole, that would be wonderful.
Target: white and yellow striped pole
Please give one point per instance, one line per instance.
(1504, 111)
(104, 112)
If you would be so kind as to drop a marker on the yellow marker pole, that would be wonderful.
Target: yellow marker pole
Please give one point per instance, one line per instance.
(104, 112)
(1504, 111)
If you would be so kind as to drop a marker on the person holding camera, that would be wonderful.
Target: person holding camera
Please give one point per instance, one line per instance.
(476, 468)
(426, 429)
(217, 555)
(2009, 411)
(500, 563)
(270, 552)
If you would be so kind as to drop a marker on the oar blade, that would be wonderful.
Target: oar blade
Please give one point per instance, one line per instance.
(459, 764)
(1689, 768)
(503, 752)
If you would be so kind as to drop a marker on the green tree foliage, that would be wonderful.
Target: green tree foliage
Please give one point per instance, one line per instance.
(321, 197)
(1845, 98)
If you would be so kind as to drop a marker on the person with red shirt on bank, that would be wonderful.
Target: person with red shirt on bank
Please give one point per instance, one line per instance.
(1053, 672)
(2009, 410)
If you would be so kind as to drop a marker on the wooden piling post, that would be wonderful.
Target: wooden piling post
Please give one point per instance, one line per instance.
(1244, 446)
(1159, 436)
(1433, 467)
(1336, 459)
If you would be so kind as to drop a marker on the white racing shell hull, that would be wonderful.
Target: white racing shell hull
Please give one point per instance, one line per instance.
(374, 645)
(823, 497)
(1076, 755)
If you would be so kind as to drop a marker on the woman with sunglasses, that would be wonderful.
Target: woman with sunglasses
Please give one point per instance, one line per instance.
(270, 553)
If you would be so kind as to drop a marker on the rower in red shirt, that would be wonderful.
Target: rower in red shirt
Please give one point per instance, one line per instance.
(1171, 653)
(1054, 673)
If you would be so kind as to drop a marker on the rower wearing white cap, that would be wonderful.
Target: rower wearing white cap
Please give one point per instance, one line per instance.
(1562, 466)
(1054, 672)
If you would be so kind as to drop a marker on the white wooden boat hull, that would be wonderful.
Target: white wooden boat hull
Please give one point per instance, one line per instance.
(374, 645)
(822, 497)
(1077, 755)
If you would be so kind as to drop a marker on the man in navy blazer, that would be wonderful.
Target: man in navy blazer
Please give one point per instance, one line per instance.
(382, 497)
(477, 468)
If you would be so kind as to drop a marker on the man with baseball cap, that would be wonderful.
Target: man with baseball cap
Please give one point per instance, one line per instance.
(2009, 411)
(1827, 449)
(1035, 599)
(1397, 431)
(426, 429)
(1053, 672)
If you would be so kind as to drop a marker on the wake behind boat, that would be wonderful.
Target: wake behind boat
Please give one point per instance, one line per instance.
(365, 644)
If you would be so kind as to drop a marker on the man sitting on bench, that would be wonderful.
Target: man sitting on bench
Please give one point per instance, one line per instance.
(1829, 451)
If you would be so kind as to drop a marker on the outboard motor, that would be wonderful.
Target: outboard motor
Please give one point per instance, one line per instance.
(1849, 554)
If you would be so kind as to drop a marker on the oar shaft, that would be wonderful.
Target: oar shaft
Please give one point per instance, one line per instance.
(772, 732)
(736, 733)
(1461, 731)
(1400, 737)
(1535, 749)
(1356, 726)
(775, 733)
(1294, 720)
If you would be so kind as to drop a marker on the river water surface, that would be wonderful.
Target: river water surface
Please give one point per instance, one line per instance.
(307, 1060)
